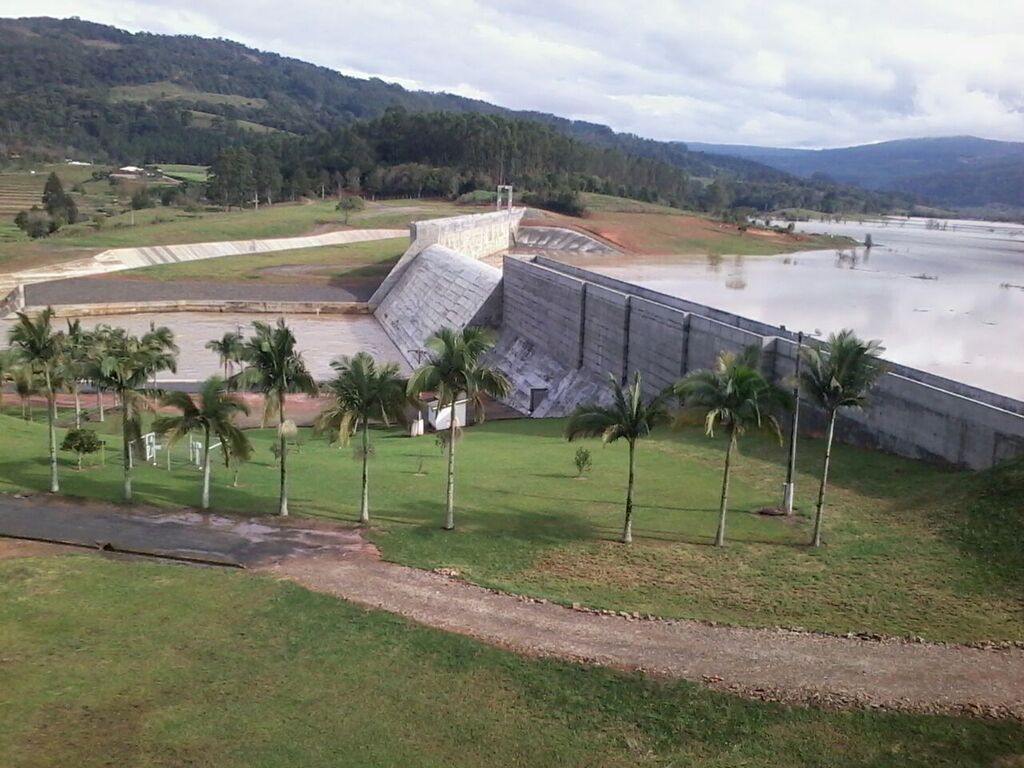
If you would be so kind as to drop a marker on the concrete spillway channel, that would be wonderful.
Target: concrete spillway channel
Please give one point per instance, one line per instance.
(120, 259)
(560, 239)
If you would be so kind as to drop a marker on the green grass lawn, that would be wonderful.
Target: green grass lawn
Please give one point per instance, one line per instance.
(911, 548)
(169, 226)
(610, 203)
(368, 260)
(125, 663)
(185, 172)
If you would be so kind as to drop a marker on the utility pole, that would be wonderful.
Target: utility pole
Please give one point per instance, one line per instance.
(787, 498)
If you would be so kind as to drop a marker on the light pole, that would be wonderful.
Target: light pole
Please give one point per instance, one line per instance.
(787, 496)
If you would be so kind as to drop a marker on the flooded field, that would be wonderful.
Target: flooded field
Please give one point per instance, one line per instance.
(946, 297)
(320, 340)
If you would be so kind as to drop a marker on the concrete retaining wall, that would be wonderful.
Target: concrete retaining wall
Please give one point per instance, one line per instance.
(220, 305)
(440, 287)
(474, 235)
(566, 329)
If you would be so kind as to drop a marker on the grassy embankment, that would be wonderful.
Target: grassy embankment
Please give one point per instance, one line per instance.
(126, 663)
(647, 231)
(325, 265)
(168, 226)
(911, 549)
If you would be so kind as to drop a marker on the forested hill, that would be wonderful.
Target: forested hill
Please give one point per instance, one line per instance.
(953, 170)
(72, 87)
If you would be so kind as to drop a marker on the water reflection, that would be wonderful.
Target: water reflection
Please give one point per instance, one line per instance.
(945, 298)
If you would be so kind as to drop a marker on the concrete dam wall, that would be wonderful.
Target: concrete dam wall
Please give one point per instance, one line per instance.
(566, 329)
(475, 236)
(439, 288)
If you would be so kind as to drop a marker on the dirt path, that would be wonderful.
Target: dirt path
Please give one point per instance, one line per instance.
(765, 664)
(760, 663)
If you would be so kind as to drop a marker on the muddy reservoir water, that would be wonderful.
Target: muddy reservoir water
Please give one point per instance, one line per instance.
(947, 300)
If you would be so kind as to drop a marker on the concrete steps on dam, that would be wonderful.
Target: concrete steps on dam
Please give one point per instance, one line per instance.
(560, 239)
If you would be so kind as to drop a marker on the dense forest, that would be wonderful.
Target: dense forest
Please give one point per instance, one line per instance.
(74, 88)
(448, 154)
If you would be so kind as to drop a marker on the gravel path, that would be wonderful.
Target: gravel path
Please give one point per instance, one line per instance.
(759, 663)
(766, 664)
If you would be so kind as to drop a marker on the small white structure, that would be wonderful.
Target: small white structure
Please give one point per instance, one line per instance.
(131, 169)
(441, 418)
(149, 445)
(195, 451)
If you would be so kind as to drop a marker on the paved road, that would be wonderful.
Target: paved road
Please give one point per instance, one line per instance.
(186, 535)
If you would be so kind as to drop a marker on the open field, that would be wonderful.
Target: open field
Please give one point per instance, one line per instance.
(609, 204)
(125, 663)
(911, 549)
(326, 265)
(169, 226)
(168, 91)
(675, 234)
(196, 173)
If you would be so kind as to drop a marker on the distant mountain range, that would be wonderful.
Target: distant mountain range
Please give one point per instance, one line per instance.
(958, 171)
(75, 87)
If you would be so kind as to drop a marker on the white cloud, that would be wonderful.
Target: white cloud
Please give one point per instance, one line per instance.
(791, 72)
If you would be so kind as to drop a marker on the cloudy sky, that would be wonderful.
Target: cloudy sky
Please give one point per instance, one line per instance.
(807, 73)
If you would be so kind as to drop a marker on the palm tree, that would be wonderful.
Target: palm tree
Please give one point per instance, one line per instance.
(26, 383)
(228, 348)
(213, 415)
(274, 367)
(836, 377)
(74, 362)
(630, 418)
(40, 348)
(361, 390)
(734, 395)
(452, 370)
(8, 364)
(123, 365)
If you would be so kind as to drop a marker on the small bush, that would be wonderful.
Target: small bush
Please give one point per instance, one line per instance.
(583, 461)
(81, 441)
(565, 201)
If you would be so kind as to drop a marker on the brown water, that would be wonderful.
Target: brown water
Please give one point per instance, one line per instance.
(320, 339)
(949, 301)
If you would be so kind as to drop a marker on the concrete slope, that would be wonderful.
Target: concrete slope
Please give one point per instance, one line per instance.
(119, 259)
(439, 288)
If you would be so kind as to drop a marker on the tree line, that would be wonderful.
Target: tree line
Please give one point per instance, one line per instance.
(733, 396)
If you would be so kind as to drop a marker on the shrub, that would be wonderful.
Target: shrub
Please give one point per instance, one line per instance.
(81, 441)
(583, 461)
(565, 201)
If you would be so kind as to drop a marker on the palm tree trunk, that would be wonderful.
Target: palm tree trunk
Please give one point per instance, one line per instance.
(720, 535)
(206, 469)
(51, 417)
(99, 404)
(816, 541)
(78, 408)
(449, 516)
(364, 508)
(627, 528)
(283, 507)
(126, 451)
